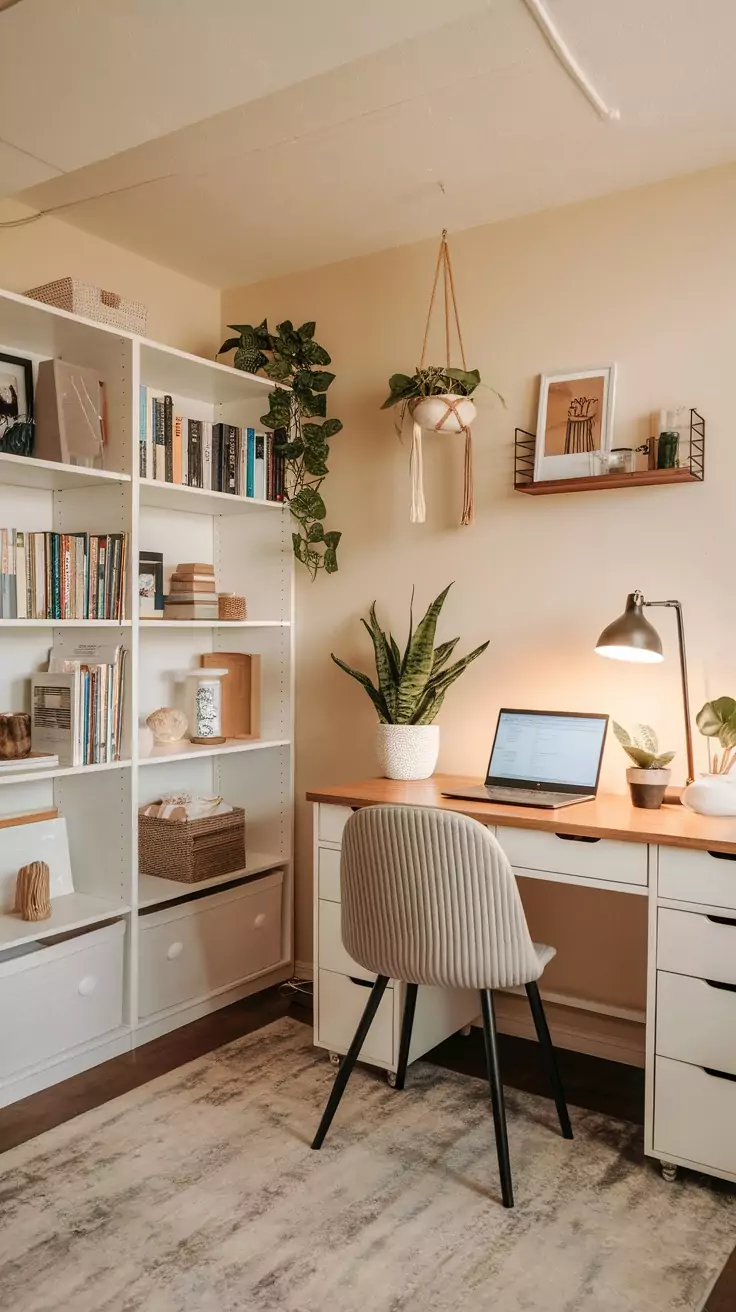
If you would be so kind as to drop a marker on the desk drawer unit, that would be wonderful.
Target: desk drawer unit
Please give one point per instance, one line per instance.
(328, 873)
(705, 877)
(332, 820)
(702, 945)
(695, 1115)
(188, 951)
(332, 954)
(696, 1022)
(341, 1003)
(567, 855)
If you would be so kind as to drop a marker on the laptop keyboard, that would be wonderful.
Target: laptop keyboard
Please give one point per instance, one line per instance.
(530, 795)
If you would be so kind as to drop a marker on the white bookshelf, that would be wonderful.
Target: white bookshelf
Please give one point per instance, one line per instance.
(249, 544)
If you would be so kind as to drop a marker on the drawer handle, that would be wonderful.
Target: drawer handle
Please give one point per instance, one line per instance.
(362, 983)
(86, 986)
(174, 950)
(260, 920)
(722, 920)
(719, 1075)
(716, 984)
(723, 856)
(578, 838)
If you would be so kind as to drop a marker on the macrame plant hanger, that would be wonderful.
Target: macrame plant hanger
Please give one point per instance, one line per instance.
(418, 505)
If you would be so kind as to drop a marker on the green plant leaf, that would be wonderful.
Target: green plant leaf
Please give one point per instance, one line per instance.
(311, 406)
(662, 761)
(320, 380)
(313, 433)
(330, 428)
(400, 387)
(308, 504)
(314, 462)
(644, 736)
(229, 345)
(330, 560)
(316, 533)
(468, 379)
(299, 545)
(622, 735)
(290, 450)
(383, 658)
(396, 655)
(711, 718)
(418, 663)
(442, 654)
(332, 539)
(362, 679)
(640, 756)
(441, 682)
(306, 332)
(727, 736)
(314, 354)
(278, 370)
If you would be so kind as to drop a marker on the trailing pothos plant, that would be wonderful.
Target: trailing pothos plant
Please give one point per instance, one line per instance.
(410, 688)
(291, 356)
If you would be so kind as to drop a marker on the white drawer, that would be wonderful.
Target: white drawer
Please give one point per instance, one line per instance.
(332, 821)
(692, 944)
(694, 1115)
(60, 996)
(328, 873)
(340, 1007)
(331, 954)
(689, 876)
(696, 1022)
(533, 849)
(190, 950)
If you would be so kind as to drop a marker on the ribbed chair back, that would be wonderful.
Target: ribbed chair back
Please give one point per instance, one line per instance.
(429, 897)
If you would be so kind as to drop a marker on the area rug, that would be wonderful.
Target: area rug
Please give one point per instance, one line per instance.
(198, 1193)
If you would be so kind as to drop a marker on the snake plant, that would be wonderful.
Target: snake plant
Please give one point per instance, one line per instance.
(642, 747)
(410, 688)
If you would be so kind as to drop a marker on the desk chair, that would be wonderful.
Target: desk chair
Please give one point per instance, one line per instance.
(429, 897)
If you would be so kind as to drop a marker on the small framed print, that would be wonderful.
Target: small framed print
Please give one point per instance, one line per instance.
(16, 389)
(575, 423)
(151, 585)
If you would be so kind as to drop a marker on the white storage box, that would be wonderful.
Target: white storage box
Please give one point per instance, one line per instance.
(54, 997)
(93, 303)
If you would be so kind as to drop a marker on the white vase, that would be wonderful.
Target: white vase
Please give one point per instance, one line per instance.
(407, 751)
(711, 794)
(434, 412)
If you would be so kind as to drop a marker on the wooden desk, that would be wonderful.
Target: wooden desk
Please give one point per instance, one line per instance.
(684, 864)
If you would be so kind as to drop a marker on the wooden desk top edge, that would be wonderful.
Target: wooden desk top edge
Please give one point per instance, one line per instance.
(610, 816)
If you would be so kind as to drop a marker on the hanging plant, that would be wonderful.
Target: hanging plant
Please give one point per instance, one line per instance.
(291, 356)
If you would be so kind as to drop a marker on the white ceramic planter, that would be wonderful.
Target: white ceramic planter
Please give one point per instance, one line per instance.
(432, 412)
(407, 751)
(711, 794)
(647, 787)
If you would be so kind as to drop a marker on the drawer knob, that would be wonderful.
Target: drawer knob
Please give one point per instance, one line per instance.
(87, 986)
(260, 920)
(174, 950)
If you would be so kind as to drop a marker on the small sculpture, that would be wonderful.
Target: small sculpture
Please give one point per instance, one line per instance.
(32, 892)
(15, 735)
(169, 724)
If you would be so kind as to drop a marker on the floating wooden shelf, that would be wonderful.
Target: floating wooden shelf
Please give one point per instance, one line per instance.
(605, 482)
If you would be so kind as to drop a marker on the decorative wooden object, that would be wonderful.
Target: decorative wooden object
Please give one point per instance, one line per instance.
(32, 892)
(230, 607)
(241, 692)
(15, 735)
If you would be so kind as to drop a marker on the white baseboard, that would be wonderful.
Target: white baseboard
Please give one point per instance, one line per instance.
(578, 1029)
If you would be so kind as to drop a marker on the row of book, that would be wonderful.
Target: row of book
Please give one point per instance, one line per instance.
(77, 705)
(196, 453)
(62, 576)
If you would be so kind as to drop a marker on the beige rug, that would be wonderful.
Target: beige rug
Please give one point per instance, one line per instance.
(198, 1193)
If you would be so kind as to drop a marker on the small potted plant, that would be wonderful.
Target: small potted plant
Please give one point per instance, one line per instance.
(409, 691)
(714, 793)
(648, 777)
(436, 398)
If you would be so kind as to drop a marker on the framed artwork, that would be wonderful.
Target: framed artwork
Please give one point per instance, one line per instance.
(575, 423)
(151, 585)
(16, 389)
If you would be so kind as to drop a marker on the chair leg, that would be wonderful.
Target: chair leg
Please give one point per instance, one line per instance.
(346, 1068)
(497, 1102)
(549, 1057)
(407, 1024)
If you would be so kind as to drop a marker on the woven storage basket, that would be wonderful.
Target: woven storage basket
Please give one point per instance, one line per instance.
(93, 303)
(230, 606)
(194, 849)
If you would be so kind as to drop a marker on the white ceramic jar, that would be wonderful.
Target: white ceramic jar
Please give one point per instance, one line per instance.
(204, 705)
(407, 751)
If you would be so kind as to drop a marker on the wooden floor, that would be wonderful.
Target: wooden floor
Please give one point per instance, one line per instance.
(601, 1086)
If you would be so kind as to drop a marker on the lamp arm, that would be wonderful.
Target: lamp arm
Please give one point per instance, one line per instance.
(676, 606)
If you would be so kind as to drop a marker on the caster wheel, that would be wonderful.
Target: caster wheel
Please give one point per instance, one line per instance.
(335, 1059)
(669, 1172)
(391, 1078)
(466, 1030)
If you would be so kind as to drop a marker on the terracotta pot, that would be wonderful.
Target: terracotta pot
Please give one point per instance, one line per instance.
(647, 787)
(15, 735)
(407, 751)
(433, 412)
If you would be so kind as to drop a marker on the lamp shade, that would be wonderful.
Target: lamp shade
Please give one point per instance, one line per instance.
(631, 637)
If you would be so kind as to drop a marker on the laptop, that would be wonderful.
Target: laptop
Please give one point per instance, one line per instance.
(542, 758)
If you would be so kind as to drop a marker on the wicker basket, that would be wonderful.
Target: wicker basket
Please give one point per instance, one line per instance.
(93, 303)
(230, 606)
(194, 849)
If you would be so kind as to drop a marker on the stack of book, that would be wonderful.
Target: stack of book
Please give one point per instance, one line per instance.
(192, 594)
(62, 576)
(77, 706)
(196, 453)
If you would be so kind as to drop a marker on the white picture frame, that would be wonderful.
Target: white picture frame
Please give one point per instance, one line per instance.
(574, 424)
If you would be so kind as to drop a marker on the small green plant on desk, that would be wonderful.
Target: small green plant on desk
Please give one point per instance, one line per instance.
(649, 776)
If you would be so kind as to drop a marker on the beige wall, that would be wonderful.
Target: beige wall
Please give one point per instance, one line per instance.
(646, 279)
(181, 312)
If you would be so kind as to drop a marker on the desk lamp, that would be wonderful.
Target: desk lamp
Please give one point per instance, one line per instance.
(632, 638)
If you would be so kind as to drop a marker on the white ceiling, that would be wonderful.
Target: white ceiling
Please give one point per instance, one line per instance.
(244, 140)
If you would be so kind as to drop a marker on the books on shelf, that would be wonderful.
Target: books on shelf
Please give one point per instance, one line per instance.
(192, 594)
(196, 453)
(62, 576)
(77, 704)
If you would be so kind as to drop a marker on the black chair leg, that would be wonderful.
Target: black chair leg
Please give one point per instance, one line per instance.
(549, 1057)
(497, 1102)
(410, 1003)
(348, 1062)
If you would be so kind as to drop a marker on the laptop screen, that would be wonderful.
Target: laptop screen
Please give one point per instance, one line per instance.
(548, 749)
